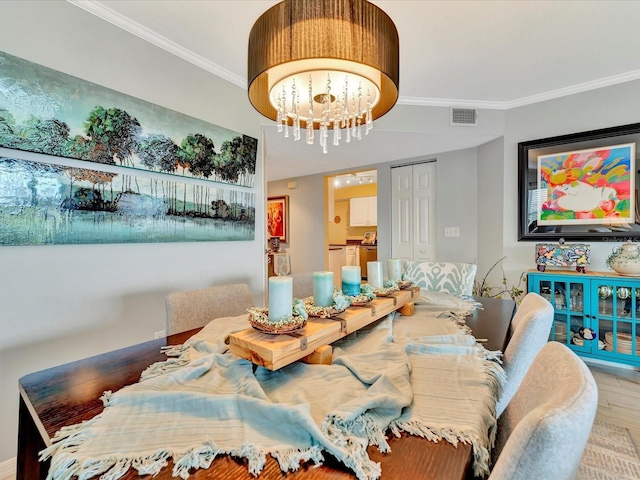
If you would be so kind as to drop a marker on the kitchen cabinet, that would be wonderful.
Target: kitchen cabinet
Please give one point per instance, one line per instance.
(363, 211)
(596, 315)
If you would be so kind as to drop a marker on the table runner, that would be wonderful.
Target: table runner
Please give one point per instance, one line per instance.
(424, 374)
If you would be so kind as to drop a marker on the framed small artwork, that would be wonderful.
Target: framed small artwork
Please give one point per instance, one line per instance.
(278, 217)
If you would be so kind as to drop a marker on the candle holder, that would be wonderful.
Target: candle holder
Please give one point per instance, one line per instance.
(259, 319)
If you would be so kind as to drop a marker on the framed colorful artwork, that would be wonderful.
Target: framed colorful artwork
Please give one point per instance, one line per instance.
(580, 187)
(590, 186)
(278, 217)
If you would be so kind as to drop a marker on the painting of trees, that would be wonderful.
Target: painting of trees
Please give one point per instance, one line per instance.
(70, 117)
(48, 203)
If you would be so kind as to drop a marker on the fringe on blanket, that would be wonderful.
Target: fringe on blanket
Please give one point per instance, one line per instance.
(496, 379)
(350, 435)
(65, 466)
(160, 368)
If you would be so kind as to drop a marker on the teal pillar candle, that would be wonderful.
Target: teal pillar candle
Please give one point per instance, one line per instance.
(374, 274)
(323, 289)
(394, 268)
(280, 298)
(351, 280)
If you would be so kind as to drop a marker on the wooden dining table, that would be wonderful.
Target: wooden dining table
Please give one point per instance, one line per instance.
(69, 394)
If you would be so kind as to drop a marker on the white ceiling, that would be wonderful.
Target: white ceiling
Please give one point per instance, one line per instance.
(470, 53)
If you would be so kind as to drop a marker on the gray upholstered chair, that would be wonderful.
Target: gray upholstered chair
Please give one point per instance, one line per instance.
(530, 327)
(302, 284)
(453, 278)
(196, 308)
(543, 432)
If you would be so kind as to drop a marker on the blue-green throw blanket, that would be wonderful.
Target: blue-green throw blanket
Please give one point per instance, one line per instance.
(204, 402)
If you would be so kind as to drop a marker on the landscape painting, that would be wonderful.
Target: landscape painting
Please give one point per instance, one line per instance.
(591, 186)
(46, 111)
(50, 204)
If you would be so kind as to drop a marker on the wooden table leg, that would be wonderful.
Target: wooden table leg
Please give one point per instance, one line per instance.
(29, 444)
(322, 355)
(407, 309)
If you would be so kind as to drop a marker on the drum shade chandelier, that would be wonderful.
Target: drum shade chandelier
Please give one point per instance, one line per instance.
(323, 65)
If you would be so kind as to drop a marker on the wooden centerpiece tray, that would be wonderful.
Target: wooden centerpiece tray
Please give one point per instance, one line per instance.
(276, 351)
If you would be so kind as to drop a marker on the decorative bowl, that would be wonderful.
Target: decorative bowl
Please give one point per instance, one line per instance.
(625, 260)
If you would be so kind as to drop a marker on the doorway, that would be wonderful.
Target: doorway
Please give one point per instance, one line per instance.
(351, 219)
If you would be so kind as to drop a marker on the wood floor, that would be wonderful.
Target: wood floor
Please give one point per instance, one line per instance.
(618, 398)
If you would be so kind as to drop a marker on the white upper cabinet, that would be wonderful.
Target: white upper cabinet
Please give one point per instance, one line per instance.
(363, 211)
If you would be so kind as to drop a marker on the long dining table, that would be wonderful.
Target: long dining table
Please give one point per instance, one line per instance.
(69, 394)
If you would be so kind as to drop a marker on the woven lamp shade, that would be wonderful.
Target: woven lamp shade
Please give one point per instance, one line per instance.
(350, 31)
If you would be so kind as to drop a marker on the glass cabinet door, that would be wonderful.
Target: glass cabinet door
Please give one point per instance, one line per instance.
(618, 304)
(568, 297)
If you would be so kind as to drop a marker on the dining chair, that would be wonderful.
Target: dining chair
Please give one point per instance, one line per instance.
(448, 277)
(530, 329)
(302, 284)
(196, 308)
(544, 429)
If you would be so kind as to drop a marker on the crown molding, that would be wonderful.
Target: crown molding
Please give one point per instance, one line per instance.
(520, 102)
(578, 88)
(100, 10)
(451, 102)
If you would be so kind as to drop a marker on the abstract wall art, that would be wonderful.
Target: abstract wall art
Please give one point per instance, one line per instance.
(590, 186)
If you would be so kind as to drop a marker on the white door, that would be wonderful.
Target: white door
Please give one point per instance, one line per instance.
(413, 215)
(424, 214)
(401, 212)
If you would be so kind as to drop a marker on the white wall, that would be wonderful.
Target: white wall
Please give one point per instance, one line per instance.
(602, 108)
(62, 303)
(457, 205)
(490, 205)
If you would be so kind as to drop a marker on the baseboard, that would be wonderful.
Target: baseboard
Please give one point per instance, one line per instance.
(8, 469)
(598, 361)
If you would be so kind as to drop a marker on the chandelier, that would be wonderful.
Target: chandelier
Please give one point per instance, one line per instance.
(323, 66)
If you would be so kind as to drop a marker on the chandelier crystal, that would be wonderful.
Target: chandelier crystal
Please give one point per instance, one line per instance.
(329, 67)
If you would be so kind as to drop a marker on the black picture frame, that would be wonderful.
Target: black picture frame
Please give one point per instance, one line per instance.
(528, 230)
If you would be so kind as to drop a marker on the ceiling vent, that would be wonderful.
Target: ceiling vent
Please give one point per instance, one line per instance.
(464, 116)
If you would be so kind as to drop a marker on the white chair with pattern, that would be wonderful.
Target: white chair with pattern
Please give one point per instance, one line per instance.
(454, 278)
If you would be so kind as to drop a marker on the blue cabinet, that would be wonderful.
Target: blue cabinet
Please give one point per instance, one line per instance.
(597, 314)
